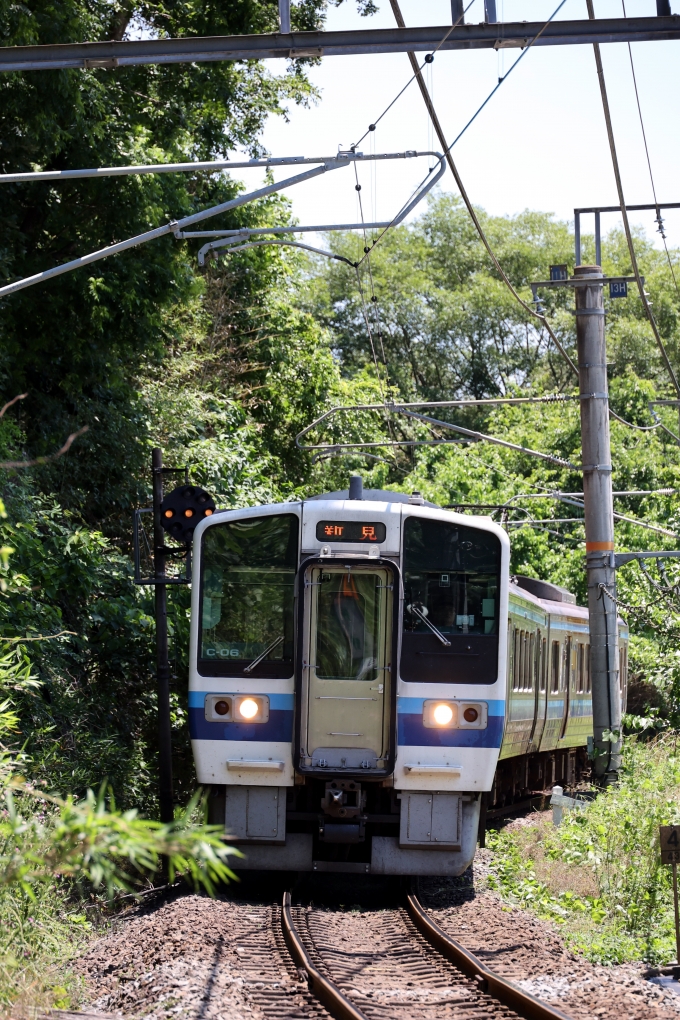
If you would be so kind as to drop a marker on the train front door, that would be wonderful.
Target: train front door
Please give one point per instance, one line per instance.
(347, 672)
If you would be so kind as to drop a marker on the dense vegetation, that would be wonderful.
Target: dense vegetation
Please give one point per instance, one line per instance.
(222, 368)
(598, 875)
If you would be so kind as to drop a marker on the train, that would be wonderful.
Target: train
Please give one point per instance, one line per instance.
(368, 681)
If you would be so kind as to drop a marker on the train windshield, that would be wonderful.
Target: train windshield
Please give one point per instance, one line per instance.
(451, 596)
(247, 593)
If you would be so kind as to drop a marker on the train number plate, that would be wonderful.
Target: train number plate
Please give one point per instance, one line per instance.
(669, 837)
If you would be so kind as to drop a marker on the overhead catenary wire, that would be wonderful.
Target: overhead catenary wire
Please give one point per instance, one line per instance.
(624, 212)
(431, 56)
(649, 162)
(468, 204)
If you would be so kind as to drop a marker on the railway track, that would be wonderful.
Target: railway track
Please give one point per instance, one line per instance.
(385, 965)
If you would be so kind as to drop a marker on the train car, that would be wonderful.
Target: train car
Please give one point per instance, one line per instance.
(364, 675)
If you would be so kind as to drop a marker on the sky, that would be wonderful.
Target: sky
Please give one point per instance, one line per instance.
(540, 143)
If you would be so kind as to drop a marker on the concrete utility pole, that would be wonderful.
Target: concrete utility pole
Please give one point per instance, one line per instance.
(165, 794)
(599, 519)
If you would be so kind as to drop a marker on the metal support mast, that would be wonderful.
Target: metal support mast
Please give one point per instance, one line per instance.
(599, 521)
(165, 795)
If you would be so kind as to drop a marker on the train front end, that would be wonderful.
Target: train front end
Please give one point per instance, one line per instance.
(347, 685)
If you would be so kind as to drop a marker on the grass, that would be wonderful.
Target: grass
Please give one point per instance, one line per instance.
(599, 874)
(38, 939)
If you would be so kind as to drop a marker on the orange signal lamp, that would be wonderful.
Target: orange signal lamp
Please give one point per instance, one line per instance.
(208, 513)
(188, 512)
(169, 513)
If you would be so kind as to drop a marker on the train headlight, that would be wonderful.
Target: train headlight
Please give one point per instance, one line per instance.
(440, 714)
(251, 708)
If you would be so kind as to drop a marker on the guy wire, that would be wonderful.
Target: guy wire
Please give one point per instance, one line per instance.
(622, 203)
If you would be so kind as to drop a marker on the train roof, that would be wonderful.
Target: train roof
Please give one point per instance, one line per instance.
(379, 496)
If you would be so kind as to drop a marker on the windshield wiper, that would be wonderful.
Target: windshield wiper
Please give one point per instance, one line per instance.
(263, 655)
(421, 616)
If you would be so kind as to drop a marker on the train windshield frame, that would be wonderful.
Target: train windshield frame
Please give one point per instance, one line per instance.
(247, 597)
(452, 582)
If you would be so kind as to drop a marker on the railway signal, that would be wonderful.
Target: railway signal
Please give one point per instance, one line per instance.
(183, 508)
(177, 515)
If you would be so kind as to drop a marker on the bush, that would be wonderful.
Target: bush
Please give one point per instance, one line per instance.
(599, 874)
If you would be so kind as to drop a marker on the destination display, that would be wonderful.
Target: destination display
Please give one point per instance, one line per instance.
(351, 531)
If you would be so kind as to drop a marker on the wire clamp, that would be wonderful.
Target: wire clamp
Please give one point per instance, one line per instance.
(588, 311)
(587, 468)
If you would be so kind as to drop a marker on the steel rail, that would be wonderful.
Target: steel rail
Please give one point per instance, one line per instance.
(197, 49)
(500, 988)
(337, 1004)
(487, 982)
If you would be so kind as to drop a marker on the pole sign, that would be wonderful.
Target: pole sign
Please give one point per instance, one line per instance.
(669, 838)
(559, 272)
(669, 841)
(618, 288)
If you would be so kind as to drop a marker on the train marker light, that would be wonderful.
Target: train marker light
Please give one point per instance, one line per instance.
(440, 714)
(218, 708)
(474, 715)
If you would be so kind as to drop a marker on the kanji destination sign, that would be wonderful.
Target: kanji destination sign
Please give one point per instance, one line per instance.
(351, 531)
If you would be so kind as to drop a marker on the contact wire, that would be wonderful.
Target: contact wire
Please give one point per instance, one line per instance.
(468, 204)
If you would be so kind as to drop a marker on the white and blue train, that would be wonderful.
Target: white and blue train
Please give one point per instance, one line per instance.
(366, 677)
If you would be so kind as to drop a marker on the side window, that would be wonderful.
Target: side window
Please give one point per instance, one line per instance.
(564, 679)
(579, 667)
(516, 674)
(543, 672)
(532, 661)
(555, 668)
(586, 658)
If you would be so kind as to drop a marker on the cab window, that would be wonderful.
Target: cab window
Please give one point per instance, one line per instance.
(247, 597)
(451, 603)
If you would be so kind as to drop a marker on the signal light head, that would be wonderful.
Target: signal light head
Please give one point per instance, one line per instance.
(184, 508)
